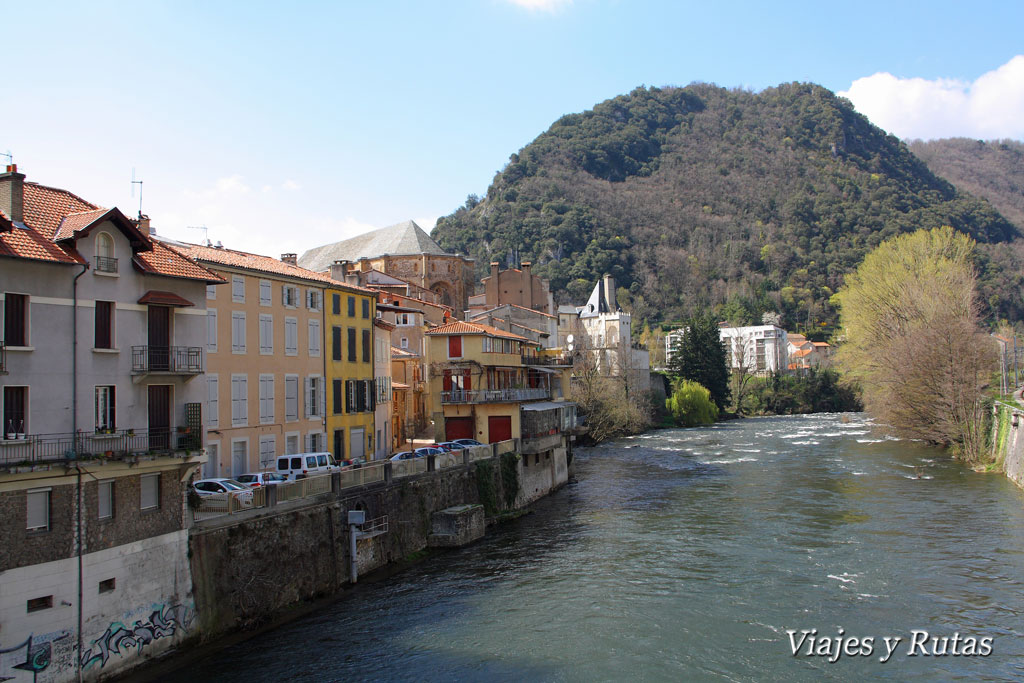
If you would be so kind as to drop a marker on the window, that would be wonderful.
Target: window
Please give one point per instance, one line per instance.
(291, 336)
(291, 443)
(266, 399)
(339, 444)
(314, 397)
(265, 292)
(15, 412)
(366, 308)
(350, 396)
(105, 408)
(239, 400)
(455, 346)
(211, 292)
(266, 334)
(352, 344)
(238, 332)
(36, 604)
(336, 397)
(315, 442)
(336, 304)
(268, 450)
(237, 289)
(104, 333)
(404, 319)
(149, 491)
(16, 319)
(212, 401)
(314, 338)
(107, 585)
(239, 456)
(291, 398)
(351, 307)
(290, 296)
(404, 343)
(105, 261)
(313, 299)
(211, 330)
(38, 510)
(336, 343)
(366, 346)
(105, 499)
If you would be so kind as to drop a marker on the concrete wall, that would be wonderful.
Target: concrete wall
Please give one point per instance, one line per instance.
(1008, 440)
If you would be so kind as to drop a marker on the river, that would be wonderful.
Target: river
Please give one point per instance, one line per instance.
(687, 555)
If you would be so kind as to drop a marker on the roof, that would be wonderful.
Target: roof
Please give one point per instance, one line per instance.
(263, 264)
(801, 353)
(522, 308)
(460, 327)
(399, 239)
(820, 344)
(399, 385)
(28, 244)
(383, 324)
(164, 259)
(45, 207)
(155, 296)
(397, 352)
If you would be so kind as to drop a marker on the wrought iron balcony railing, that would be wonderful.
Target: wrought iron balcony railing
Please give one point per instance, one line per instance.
(36, 448)
(105, 264)
(494, 395)
(180, 360)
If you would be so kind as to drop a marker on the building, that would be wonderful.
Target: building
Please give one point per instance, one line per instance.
(479, 375)
(756, 349)
(540, 328)
(406, 252)
(408, 357)
(101, 364)
(604, 333)
(518, 286)
(383, 417)
(266, 384)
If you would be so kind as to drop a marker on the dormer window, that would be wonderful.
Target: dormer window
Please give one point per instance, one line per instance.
(105, 260)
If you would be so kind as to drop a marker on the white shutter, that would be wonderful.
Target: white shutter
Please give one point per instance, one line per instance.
(322, 381)
(213, 402)
(211, 330)
(38, 509)
(306, 398)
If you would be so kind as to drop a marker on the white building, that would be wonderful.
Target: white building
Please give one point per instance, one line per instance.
(757, 349)
(607, 334)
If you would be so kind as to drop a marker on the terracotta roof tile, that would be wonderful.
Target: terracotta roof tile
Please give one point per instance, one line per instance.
(156, 296)
(45, 207)
(402, 353)
(801, 353)
(164, 259)
(263, 264)
(28, 244)
(460, 327)
(76, 222)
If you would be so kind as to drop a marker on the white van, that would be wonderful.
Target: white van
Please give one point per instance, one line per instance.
(301, 465)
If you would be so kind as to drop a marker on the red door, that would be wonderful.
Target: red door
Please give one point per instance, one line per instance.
(499, 428)
(458, 428)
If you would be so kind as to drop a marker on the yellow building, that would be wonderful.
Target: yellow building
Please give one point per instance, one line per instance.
(349, 313)
(480, 377)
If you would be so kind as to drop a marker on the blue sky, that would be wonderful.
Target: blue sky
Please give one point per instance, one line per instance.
(284, 126)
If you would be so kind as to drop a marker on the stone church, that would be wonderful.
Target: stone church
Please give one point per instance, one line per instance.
(404, 251)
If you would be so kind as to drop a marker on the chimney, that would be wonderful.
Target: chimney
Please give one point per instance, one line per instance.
(609, 293)
(494, 271)
(12, 193)
(143, 224)
(338, 270)
(290, 259)
(527, 284)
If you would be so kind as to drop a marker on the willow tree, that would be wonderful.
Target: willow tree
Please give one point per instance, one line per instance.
(909, 315)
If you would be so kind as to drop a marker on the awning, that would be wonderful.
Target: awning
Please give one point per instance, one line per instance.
(399, 385)
(160, 298)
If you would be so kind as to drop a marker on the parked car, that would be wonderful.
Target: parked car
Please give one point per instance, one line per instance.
(254, 479)
(452, 446)
(468, 442)
(214, 489)
(301, 465)
(428, 450)
(404, 455)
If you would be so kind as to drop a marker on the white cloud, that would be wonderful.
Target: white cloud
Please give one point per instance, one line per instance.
(991, 107)
(541, 5)
(291, 185)
(427, 223)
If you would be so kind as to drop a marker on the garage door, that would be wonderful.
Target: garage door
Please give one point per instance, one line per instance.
(458, 428)
(499, 428)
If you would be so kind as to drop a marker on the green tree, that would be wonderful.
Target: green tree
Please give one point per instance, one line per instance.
(910, 319)
(690, 404)
(700, 357)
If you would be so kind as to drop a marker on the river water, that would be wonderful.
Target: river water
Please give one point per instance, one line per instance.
(687, 555)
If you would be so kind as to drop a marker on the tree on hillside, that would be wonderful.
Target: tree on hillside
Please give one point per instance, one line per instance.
(701, 357)
(910, 317)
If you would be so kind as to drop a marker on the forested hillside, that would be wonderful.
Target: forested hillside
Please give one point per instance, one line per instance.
(706, 197)
(993, 170)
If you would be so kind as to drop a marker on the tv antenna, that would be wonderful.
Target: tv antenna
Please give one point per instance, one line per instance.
(10, 157)
(139, 183)
(206, 233)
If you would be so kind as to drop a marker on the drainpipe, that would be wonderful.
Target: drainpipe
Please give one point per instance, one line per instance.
(74, 452)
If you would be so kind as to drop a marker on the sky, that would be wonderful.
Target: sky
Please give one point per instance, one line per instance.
(276, 127)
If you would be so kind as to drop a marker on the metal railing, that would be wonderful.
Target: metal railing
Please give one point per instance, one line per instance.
(106, 264)
(546, 360)
(182, 360)
(494, 395)
(37, 448)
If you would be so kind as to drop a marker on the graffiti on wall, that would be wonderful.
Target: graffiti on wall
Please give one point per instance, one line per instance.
(37, 654)
(120, 639)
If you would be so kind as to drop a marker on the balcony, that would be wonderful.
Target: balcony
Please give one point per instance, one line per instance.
(41, 448)
(494, 395)
(105, 264)
(546, 360)
(171, 360)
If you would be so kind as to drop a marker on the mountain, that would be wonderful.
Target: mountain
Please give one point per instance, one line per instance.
(993, 170)
(706, 197)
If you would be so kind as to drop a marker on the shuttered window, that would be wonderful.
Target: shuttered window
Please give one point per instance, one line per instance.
(266, 334)
(266, 399)
(336, 343)
(352, 344)
(149, 485)
(366, 346)
(291, 336)
(38, 510)
(104, 338)
(238, 331)
(239, 400)
(291, 398)
(314, 338)
(212, 401)
(211, 330)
